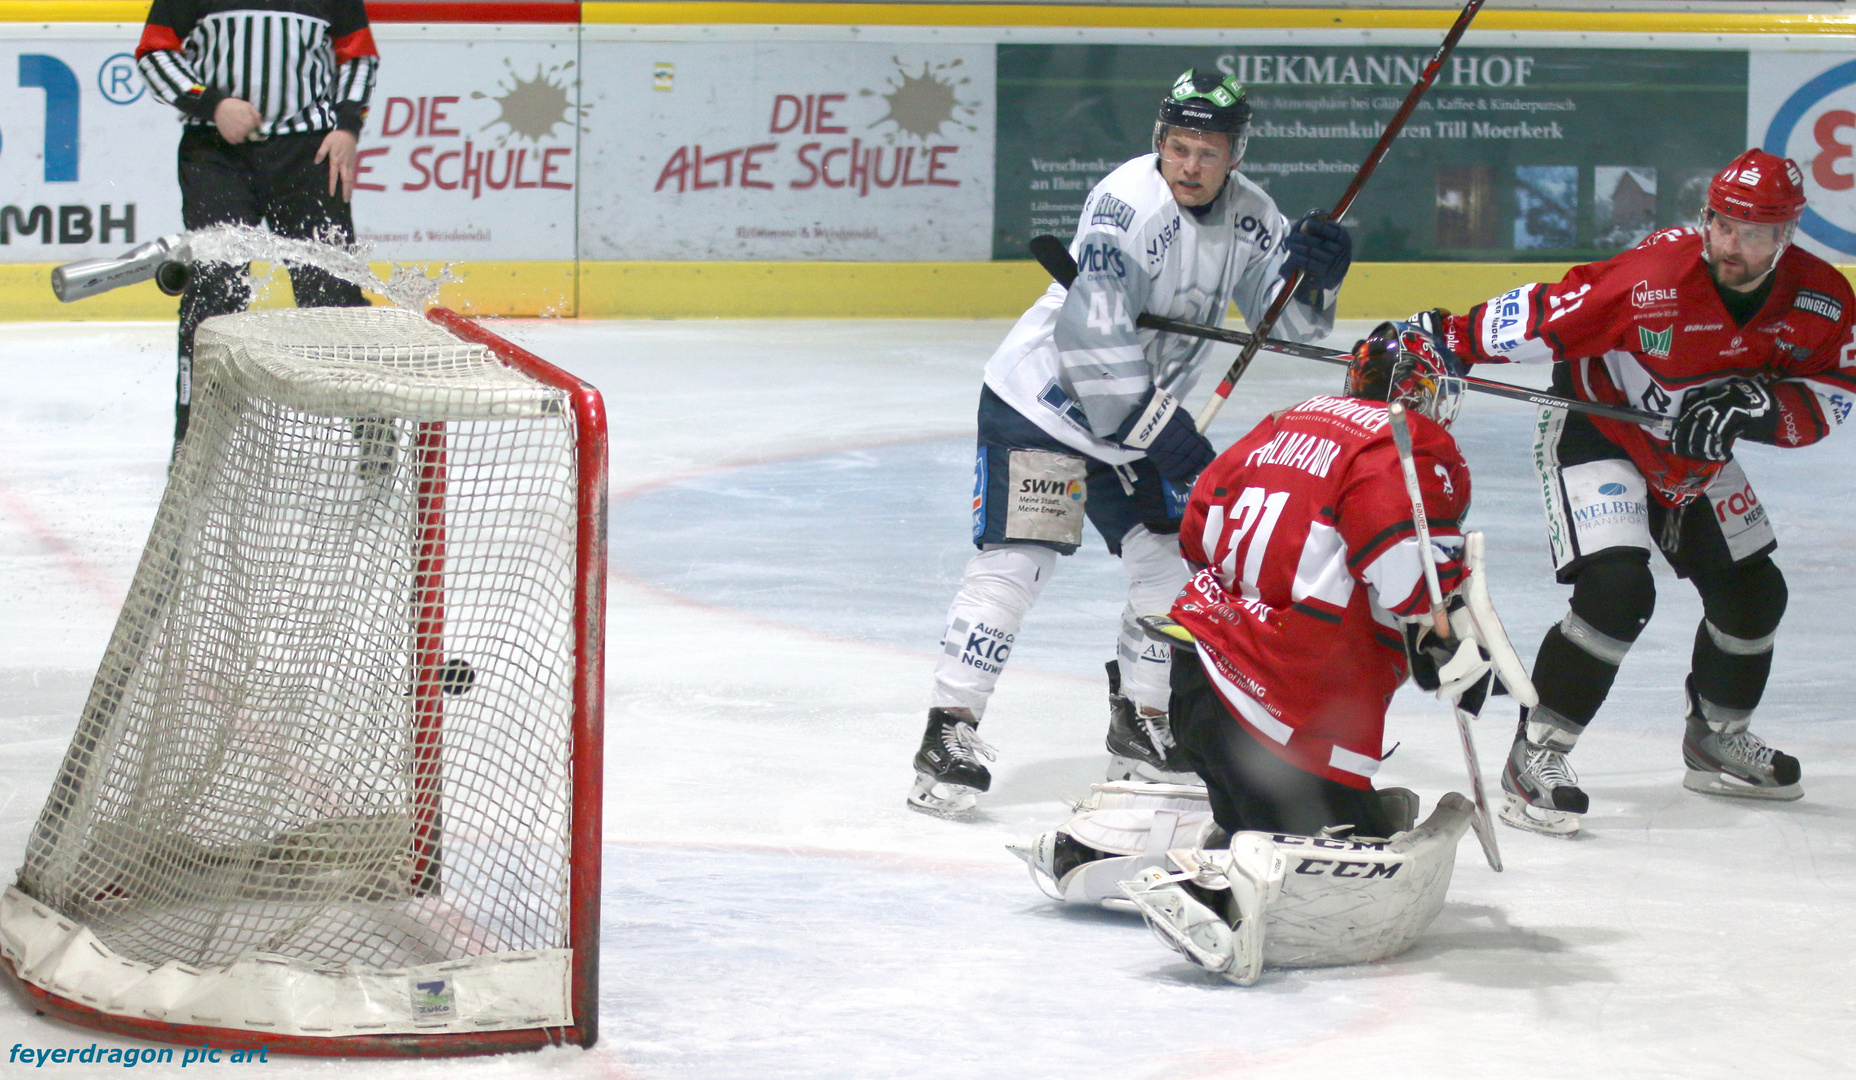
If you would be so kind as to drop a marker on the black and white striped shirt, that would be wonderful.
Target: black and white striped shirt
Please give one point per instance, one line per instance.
(307, 65)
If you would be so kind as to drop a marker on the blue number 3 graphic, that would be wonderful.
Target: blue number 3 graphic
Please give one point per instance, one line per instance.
(60, 85)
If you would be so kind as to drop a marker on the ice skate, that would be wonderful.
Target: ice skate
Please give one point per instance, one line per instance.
(1543, 793)
(1724, 758)
(1140, 742)
(949, 775)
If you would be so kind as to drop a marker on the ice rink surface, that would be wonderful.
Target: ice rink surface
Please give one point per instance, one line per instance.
(790, 507)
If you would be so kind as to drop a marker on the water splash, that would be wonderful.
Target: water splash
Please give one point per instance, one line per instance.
(406, 286)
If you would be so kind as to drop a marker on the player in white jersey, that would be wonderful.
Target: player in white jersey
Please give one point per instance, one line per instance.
(1080, 416)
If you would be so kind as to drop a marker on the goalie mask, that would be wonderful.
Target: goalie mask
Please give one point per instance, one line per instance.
(1401, 362)
(1206, 102)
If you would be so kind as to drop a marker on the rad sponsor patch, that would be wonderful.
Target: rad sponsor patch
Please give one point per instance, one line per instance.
(1818, 303)
(1743, 520)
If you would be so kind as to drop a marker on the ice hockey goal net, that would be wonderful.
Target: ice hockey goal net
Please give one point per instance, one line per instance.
(336, 788)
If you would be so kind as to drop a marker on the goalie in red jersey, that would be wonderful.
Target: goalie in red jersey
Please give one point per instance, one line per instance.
(1731, 333)
(1307, 589)
(1306, 610)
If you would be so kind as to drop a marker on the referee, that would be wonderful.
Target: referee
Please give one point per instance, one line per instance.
(272, 95)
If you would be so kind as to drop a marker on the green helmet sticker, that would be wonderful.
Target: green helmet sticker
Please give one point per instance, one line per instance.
(1227, 93)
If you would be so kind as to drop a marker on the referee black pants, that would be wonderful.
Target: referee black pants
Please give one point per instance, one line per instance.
(276, 182)
(1249, 786)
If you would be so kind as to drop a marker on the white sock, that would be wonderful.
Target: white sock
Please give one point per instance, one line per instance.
(1156, 573)
(1000, 585)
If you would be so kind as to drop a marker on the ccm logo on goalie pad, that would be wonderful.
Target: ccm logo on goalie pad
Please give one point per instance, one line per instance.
(1344, 869)
(1327, 843)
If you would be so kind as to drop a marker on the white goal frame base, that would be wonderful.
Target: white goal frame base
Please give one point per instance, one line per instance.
(275, 994)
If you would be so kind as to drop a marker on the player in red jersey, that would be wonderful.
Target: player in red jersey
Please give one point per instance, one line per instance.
(1731, 333)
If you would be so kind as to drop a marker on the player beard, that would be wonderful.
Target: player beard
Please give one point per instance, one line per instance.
(1734, 272)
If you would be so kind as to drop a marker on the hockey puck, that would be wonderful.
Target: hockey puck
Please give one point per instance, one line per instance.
(456, 676)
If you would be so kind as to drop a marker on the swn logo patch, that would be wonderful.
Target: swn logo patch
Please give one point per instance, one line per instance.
(1072, 489)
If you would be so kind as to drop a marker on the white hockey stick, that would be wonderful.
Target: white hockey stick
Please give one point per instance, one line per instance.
(1440, 625)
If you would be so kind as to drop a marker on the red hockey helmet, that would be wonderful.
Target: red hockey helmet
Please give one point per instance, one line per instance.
(1758, 187)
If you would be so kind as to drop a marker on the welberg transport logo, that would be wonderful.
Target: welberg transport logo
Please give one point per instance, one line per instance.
(1655, 342)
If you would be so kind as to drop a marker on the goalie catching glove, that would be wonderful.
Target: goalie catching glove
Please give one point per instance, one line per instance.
(1456, 670)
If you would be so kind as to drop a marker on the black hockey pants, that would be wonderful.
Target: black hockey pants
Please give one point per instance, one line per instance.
(277, 182)
(1249, 786)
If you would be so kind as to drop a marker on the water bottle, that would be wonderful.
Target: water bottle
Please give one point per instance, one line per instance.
(168, 260)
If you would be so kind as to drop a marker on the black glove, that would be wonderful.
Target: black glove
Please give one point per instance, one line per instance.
(1427, 653)
(1165, 431)
(1714, 417)
(1321, 249)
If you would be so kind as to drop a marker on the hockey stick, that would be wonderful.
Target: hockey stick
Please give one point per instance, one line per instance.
(1055, 258)
(1289, 285)
(1440, 625)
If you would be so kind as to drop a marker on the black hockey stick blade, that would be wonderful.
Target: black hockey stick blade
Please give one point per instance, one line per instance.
(1054, 256)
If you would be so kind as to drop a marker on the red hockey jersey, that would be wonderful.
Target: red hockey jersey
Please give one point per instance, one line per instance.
(1646, 327)
(1302, 538)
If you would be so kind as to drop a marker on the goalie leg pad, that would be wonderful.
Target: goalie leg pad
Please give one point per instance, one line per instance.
(1355, 901)
(1119, 830)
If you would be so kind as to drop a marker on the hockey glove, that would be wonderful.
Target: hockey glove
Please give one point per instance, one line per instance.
(1321, 249)
(1712, 418)
(1169, 437)
(1458, 670)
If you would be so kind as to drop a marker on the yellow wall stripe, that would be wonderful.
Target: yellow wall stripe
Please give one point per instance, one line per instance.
(817, 290)
(67, 11)
(752, 12)
(510, 288)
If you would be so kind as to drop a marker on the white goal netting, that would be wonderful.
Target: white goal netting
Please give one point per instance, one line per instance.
(321, 783)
